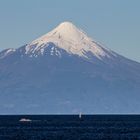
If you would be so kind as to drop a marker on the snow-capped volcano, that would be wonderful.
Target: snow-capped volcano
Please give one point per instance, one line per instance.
(68, 37)
(65, 71)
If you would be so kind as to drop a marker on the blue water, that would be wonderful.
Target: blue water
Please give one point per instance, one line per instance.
(70, 127)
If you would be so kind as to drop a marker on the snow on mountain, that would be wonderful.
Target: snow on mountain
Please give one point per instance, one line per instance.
(71, 39)
(6, 52)
(65, 37)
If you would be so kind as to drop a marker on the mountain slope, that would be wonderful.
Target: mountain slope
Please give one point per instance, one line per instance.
(65, 71)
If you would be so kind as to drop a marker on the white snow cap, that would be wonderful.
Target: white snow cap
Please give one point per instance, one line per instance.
(72, 39)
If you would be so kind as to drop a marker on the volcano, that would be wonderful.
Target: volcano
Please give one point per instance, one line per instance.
(67, 72)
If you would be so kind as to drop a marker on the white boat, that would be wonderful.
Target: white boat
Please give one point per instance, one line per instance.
(25, 120)
(80, 115)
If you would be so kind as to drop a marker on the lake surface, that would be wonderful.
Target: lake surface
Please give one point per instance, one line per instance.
(70, 127)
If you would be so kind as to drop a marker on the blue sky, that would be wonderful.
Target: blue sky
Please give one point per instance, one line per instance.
(114, 23)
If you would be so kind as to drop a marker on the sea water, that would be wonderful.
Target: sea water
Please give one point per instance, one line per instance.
(69, 127)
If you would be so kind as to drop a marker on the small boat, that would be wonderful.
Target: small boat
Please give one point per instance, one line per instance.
(25, 120)
(80, 115)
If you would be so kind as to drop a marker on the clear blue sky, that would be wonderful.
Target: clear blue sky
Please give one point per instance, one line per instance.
(115, 23)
